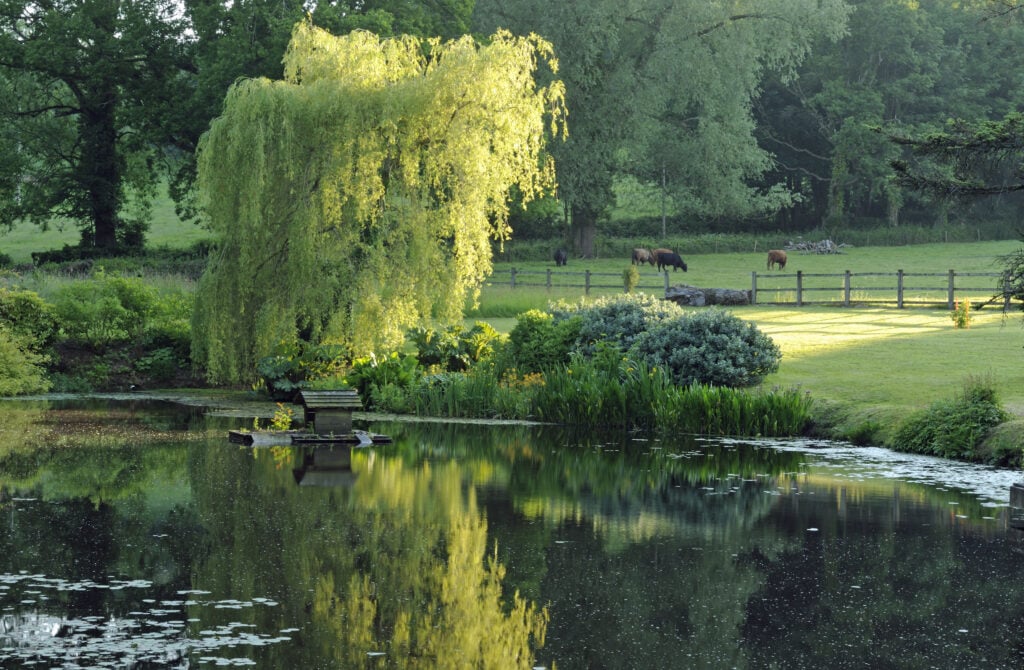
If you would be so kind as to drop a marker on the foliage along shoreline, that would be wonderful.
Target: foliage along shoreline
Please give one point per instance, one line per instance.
(604, 362)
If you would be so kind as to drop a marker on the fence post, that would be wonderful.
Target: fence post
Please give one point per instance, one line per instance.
(846, 288)
(549, 278)
(513, 273)
(899, 289)
(1006, 293)
(799, 288)
(753, 287)
(586, 282)
(951, 298)
(666, 281)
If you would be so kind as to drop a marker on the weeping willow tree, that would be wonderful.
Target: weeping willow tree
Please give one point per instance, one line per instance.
(359, 196)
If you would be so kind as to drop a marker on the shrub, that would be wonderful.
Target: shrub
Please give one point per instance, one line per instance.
(293, 367)
(538, 342)
(29, 317)
(105, 309)
(630, 279)
(160, 365)
(711, 347)
(373, 377)
(961, 314)
(618, 320)
(21, 369)
(454, 349)
(953, 428)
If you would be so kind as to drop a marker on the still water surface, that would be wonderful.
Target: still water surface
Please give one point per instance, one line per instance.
(133, 534)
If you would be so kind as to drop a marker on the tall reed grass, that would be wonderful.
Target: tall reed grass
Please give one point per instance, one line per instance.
(607, 392)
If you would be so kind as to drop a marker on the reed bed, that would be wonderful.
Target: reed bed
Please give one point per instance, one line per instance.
(600, 392)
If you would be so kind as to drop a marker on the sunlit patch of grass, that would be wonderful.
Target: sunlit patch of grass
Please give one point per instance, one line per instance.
(900, 358)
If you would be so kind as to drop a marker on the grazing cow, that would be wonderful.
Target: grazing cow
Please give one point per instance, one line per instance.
(561, 257)
(641, 256)
(670, 260)
(777, 257)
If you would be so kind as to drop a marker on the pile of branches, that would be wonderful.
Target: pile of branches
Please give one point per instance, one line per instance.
(822, 247)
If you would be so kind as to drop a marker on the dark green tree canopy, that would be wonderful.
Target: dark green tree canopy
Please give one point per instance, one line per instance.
(662, 90)
(77, 78)
(965, 159)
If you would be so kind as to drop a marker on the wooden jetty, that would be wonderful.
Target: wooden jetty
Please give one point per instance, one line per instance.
(328, 415)
(267, 438)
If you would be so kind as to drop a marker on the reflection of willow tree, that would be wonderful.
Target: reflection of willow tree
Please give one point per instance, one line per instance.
(397, 564)
(643, 567)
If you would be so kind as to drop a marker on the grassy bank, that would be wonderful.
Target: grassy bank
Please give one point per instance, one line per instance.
(869, 366)
(866, 366)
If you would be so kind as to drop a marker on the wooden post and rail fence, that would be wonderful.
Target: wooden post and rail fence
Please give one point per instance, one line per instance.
(802, 288)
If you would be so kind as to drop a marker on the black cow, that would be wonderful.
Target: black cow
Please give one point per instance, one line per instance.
(670, 260)
(561, 257)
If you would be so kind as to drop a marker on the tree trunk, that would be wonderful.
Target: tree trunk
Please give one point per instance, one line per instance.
(100, 169)
(584, 225)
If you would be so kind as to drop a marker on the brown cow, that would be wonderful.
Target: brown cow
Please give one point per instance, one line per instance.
(658, 252)
(777, 257)
(641, 256)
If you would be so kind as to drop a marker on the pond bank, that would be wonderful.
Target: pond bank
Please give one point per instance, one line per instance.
(857, 424)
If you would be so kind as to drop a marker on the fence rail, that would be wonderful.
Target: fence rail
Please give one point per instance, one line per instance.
(927, 288)
(901, 288)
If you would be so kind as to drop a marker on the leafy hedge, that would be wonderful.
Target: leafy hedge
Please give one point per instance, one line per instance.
(953, 428)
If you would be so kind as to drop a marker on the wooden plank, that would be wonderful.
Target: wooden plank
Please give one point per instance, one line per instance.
(348, 399)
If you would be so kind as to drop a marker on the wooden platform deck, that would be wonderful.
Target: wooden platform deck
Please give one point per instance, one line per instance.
(266, 438)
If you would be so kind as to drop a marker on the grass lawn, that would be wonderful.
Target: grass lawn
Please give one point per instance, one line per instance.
(166, 230)
(877, 362)
(894, 360)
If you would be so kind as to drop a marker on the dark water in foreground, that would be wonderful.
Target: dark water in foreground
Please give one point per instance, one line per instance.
(135, 535)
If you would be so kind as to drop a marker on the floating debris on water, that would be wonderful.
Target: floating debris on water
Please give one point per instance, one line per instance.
(148, 631)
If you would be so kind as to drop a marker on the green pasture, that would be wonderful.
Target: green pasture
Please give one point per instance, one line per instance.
(873, 362)
(166, 230)
(874, 270)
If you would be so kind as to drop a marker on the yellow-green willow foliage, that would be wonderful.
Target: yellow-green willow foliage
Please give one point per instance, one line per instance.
(358, 197)
(430, 596)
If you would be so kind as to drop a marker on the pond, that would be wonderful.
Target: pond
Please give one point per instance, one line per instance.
(133, 534)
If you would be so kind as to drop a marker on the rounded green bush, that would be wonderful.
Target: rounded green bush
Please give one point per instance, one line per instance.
(28, 316)
(538, 342)
(617, 320)
(710, 346)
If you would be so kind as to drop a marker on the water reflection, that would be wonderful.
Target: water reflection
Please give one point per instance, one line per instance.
(139, 534)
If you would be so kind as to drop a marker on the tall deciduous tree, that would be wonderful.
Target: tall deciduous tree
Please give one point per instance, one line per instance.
(358, 197)
(904, 65)
(663, 90)
(75, 76)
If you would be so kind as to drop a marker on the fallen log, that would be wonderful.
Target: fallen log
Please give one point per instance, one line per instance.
(693, 296)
